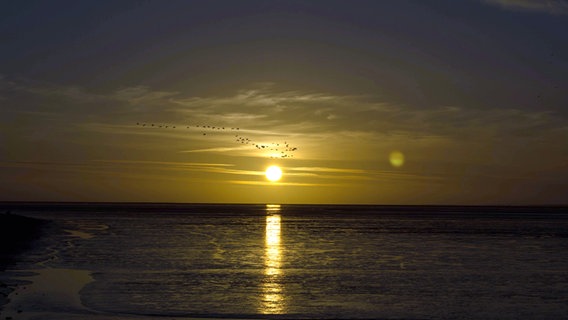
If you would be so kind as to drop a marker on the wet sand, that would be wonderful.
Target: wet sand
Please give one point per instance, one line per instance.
(54, 294)
(49, 291)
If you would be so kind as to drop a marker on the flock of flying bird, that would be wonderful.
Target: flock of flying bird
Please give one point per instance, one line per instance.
(276, 150)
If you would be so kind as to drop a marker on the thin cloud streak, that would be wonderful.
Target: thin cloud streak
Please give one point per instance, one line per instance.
(220, 149)
(327, 169)
(138, 169)
(168, 163)
(548, 6)
(359, 174)
(285, 184)
(221, 168)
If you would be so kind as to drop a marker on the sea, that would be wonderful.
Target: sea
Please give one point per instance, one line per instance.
(272, 261)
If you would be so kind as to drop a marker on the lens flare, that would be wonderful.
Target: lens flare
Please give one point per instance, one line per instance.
(396, 159)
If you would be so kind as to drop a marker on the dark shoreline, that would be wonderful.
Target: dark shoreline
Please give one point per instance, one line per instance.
(17, 234)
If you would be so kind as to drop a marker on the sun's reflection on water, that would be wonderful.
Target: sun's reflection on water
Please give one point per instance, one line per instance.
(272, 299)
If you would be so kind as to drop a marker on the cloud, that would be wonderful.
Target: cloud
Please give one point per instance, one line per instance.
(115, 164)
(264, 106)
(49, 90)
(24, 95)
(166, 163)
(130, 169)
(141, 95)
(220, 149)
(295, 184)
(323, 125)
(354, 174)
(325, 115)
(548, 6)
(222, 168)
(327, 169)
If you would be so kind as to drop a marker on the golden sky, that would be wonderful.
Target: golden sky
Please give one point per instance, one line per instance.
(387, 102)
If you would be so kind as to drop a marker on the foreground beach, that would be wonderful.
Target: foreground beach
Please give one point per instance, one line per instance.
(26, 294)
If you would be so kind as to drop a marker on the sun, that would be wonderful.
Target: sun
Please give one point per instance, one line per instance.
(273, 173)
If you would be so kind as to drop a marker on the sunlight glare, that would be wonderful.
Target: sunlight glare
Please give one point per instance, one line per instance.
(273, 173)
(272, 291)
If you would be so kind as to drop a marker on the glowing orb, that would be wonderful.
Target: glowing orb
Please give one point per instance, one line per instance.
(273, 173)
(396, 159)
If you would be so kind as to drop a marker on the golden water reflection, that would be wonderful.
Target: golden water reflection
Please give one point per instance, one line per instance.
(272, 295)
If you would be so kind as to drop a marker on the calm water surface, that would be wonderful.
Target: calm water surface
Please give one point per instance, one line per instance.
(271, 261)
